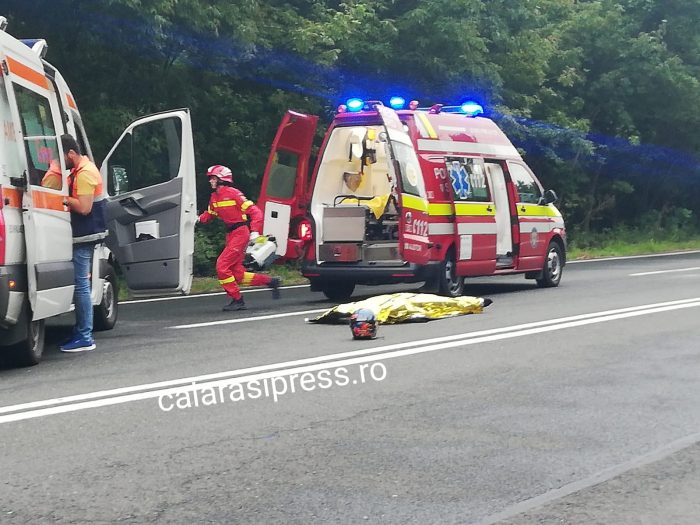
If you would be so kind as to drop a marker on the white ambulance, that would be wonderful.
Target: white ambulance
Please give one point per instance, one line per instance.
(149, 184)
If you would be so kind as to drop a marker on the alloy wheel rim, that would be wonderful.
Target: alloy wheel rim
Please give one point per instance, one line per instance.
(108, 297)
(554, 265)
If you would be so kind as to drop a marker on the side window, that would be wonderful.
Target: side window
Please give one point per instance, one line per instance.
(149, 154)
(468, 179)
(528, 190)
(40, 139)
(80, 134)
(283, 175)
(409, 169)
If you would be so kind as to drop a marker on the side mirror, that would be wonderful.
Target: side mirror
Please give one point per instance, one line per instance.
(550, 197)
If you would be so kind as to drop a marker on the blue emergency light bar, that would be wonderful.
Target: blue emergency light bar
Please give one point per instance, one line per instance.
(397, 102)
(355, 104)
(471, 108)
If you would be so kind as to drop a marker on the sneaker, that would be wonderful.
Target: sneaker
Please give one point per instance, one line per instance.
(78, 344)
(487, 301)
(275, 285)
(235, 304)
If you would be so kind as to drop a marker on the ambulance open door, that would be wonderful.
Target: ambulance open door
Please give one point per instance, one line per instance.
(284, 193)
(151, 203)
(406, 171)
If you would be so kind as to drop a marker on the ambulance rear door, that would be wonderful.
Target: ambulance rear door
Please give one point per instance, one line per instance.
(284, 193)
(149, 178)
(35, 128)
(405, 169)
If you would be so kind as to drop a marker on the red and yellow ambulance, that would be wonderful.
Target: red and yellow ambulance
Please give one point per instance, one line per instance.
(408, 195)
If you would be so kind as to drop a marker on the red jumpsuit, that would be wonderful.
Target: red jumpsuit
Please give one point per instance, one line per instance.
(232, 207)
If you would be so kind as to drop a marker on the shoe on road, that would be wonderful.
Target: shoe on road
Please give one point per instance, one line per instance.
(78, 344)
(275, 286)
(235, 304)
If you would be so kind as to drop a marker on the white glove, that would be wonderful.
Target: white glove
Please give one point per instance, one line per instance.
(254, 235)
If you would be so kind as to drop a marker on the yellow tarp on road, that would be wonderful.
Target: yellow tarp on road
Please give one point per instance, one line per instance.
(405, 307)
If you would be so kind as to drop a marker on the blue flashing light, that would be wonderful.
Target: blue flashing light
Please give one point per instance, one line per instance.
(355, 104)
(397, 102)
(471, 108)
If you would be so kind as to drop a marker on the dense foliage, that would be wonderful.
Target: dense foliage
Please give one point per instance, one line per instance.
(602, 96)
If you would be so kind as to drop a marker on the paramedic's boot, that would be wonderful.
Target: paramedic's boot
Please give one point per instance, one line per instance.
(235, 304)
(275, 285)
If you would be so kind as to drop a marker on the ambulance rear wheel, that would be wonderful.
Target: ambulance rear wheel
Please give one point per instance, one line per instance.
(553, 266)
(449, 283)
(105, 313)
(338, 291)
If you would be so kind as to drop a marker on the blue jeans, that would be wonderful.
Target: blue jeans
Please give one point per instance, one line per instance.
(82, 263)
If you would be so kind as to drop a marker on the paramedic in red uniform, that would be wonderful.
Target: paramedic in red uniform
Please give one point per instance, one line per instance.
(232, 207)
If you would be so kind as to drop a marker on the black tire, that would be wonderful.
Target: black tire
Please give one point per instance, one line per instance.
(339, 290)
(449, 283)
(553, 267)
(28, 352)
(105, 313)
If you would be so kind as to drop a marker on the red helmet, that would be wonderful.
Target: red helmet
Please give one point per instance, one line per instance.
(221, 173)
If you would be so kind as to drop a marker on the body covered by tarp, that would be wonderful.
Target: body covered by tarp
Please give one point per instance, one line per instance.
(406, 307)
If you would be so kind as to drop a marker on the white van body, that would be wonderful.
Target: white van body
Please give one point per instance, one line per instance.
(148, 182)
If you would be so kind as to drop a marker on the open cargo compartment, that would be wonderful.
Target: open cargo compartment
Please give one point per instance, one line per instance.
(353, 203)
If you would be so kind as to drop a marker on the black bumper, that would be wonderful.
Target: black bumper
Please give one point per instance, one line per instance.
(370, 274)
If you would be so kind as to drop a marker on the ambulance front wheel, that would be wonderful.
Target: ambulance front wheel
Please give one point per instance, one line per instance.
(449, 283)
(105, 313)
(553, 266)
(338, 290)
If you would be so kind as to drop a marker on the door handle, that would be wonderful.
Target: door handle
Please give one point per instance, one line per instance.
(130, 202)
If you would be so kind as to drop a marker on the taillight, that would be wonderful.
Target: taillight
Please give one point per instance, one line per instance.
(304, 230)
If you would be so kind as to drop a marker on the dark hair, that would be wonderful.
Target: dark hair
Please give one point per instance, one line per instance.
(69, 143)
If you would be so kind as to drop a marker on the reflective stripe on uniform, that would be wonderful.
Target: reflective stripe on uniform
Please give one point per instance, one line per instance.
(231, 279)
(246, 205)
(224, 204)
(247, 278)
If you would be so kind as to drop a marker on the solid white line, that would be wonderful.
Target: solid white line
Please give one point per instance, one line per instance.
(335, 361)
(665, 271)
(627, 257)
(248, 319)
(595, 479)
(208, 294)
(328, 357)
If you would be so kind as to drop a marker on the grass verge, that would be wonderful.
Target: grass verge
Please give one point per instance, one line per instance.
(622, 249)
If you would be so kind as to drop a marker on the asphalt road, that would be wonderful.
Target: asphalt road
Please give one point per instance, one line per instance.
(570, 405)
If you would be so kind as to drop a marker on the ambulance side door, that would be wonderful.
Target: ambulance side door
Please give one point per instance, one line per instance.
(149, 178)
(405, 168)
(36, 129)
(284, 192)
(533, 220)
(475, 216)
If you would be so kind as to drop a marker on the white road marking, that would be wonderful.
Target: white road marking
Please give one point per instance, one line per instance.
(248, 319)
(149, 391)
(255, 290)
(208, 294)
(665, 271)
(597, 478)
(627, 257)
